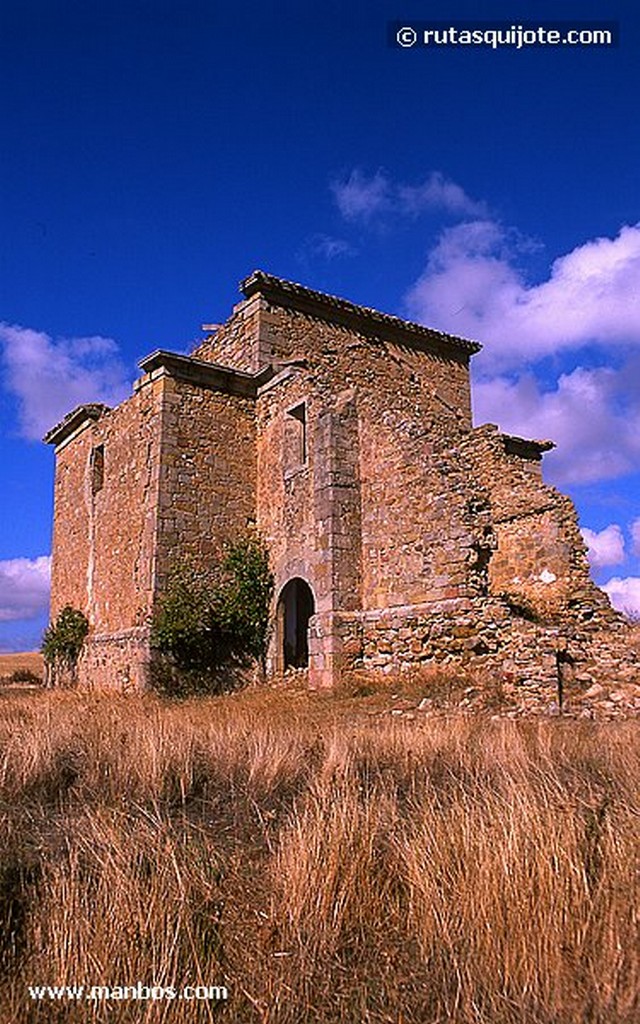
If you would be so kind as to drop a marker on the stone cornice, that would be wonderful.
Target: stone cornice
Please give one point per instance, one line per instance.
(78, 417)
(207, 375)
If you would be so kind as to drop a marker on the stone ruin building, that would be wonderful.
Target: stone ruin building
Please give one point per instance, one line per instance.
(399, 534)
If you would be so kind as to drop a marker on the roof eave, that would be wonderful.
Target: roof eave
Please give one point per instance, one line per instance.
(338, 310)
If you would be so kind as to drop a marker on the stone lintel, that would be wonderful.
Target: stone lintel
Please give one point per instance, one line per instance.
(282, 373)
(369, 322)
(206, 375)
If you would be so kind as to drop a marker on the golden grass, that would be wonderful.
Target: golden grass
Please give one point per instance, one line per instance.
(324, 864)
(32, 661)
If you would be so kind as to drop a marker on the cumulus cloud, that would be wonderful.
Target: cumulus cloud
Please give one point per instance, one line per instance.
(360, 198)
(24, 587)
(590, 413)
(624, 594)
(472, 286)
(50, 376)
(606, 547)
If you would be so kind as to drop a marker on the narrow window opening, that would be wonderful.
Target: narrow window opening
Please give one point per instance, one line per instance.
(565, 670)
(296, 437)
(97, 468)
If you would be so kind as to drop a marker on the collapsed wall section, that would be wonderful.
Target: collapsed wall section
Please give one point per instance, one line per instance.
(533, 623)
(539, 559)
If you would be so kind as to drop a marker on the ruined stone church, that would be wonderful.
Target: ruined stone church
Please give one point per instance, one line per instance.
(399, 534)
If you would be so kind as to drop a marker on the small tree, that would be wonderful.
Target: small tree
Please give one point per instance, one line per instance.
(246, 594)
(214, 618)
(63, 640)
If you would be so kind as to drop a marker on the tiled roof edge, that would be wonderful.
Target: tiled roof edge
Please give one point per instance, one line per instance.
(332, 308)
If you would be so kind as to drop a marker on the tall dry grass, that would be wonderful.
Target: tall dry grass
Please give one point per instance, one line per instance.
(324, 867)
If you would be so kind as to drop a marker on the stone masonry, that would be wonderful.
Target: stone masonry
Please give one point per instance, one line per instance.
(399, 535)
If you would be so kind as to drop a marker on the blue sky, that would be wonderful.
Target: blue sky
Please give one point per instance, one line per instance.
(155, 153)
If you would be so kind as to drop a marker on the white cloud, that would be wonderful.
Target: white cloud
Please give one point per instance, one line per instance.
(24, 587)
(472, 286)
(606, 547)
(589, 413)
(438, 192)
(361, 198)
(50, 377)
(624, 594)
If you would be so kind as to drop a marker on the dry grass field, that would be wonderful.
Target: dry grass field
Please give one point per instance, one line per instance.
(323, 862)
(31, 661)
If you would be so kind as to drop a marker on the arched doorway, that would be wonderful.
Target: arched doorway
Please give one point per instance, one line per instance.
(295, 608)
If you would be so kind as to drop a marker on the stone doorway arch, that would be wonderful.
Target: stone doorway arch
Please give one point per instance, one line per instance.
(296, 605)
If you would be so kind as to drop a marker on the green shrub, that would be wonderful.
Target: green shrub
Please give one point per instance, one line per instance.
(63, 639)
(23, 675)
(213, 618)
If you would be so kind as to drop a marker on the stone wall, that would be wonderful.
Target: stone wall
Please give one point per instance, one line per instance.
(241, 342)
(376, 516)
(104, 533)
(207, 490)
(119, 660)
(124, 514)
(72, 524)
(178, 479)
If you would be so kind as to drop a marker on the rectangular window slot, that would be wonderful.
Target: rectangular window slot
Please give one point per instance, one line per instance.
(296, 437)
(97, 468)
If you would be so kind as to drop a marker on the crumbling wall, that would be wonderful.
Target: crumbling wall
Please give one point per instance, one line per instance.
(532, 621)
(539, 559)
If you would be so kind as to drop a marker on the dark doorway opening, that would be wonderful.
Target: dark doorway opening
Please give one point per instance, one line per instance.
(296, 608)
